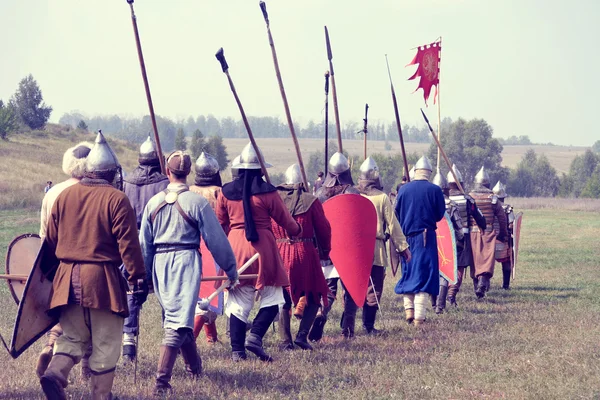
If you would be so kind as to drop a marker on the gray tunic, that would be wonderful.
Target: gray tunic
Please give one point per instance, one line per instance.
(176, 274)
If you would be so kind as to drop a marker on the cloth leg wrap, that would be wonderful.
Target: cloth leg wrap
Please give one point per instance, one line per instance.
(420, 303)
(128, 339)
(409, 301)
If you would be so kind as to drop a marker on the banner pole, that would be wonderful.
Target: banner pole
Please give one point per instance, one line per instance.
(439, 130)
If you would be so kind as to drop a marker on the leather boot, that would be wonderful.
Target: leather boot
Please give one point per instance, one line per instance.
(410, 315)
(43, 360)
(55, 379)
(480, 287)
(191, 358)
(166, 361)
(506, 278)
(452, 292)
(486, 282)
(86, 372)
(199, 321)
(211, 332)
(254, 345)
(299, 310)
(260, 325)
(285, 334)
(316, 332)
(348, 324)
(227, 326)
(237, 338)
(102, 386)
(368, 319)
(441, 300)
(310, 311)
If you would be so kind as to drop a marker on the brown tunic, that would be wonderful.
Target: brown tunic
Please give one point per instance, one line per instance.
(269, 266)
(91, 229)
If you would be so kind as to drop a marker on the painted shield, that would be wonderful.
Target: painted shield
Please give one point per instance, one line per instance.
(516, 240)
(32, 321)
(20, 257)
(395, 257)
(446, 244)
(210, 268)
(353, 222)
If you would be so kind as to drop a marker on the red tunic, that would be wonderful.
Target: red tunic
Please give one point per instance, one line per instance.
(301, 259)
(269, 266)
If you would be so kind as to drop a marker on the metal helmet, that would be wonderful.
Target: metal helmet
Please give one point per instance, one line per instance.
(440, 180)
(236, 162)
(206, 165)
(369, 169)
(148, 151)
(500, 190)
(74, 159)
(338, 163)
(450, 177)
(411, 173)
(249, 158)
(101, 158)
(482, 177)
(423, 163)
(293, 175)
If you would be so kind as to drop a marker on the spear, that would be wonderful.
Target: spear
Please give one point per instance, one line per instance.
(364, 129)
(221, 57)
(147, 87)
(326, 121)
(334, 92)
(263, 7)
(398, 125)
(439, 145)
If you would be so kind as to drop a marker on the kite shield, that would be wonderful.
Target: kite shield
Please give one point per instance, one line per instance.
(395, 257)
(516, 240)
(210, 268)
(446, 244)
(353, 222)
(20, 258)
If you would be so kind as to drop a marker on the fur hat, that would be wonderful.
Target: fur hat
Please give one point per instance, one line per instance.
(74, 159)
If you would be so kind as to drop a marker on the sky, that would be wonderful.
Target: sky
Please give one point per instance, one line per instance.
(518, 64)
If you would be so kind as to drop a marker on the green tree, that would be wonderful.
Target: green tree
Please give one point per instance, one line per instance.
(197, 144)
(8, 120)
(28, 101)
(216, 148)
(82, 125)
(596, 147)
(581, 169)
(592, 186)
(534, 176)
(180, 142)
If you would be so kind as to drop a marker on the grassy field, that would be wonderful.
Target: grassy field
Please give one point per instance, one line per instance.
(537, 341)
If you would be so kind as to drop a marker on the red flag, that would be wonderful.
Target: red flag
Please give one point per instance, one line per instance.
(428, 57)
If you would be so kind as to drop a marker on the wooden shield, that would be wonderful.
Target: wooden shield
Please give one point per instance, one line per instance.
(32, 321)
(446, 244)
(353, 222)
(395, 257)
(20, 258)
(516, 240)
(210, 268)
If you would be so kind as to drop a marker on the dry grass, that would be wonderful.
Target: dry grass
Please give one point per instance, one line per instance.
(537, 341)
(544, 203)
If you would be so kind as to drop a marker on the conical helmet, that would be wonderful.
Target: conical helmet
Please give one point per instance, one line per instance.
(249, 158)
(101, 158)
(338, 163)
(423, 163)
(148, 151)
(440, 181)
(235, 167)
(457, 173)
(293, 175)
(482, 177)
(411, 173)
(369, 169)
(500, 190)
(206, 165)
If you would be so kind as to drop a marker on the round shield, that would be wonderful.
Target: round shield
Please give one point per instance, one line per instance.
(20, 257)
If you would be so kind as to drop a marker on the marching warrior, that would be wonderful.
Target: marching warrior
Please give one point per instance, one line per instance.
(467, 210)
(245, 208)
(439, 304)
(504, 250)
(338, 181)
(173, 223)
(419, 206)
(301, 258)
(208, 185)
(89, 291)
(388, 227)
(483, 241)
(140, 186)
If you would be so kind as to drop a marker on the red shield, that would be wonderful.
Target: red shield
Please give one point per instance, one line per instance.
(210, 268)
(516, 240)
(446, 244)
(353, 222)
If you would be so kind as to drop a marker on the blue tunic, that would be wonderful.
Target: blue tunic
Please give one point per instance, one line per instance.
(419, 206)
(176, 275)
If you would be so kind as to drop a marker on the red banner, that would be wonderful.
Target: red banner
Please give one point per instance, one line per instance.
(428, 58)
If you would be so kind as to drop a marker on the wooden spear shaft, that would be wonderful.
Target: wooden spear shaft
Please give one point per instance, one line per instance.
(326, 121)
(398, 124)
(221, 57)
(147, 88)
(336, 112)
(365, 125)
(288, 114)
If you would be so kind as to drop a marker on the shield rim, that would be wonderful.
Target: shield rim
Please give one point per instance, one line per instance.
(516, 241)
(454, 253)
(7, 263)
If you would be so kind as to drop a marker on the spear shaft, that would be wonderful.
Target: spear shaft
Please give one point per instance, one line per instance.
(398, 124)
(336, 112)
(326, 121)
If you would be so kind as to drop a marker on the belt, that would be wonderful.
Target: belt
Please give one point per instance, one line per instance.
(295, 240)
(476, 229)
(465, 230)
(170, 247)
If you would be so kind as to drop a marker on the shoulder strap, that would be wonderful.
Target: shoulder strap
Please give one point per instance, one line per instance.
(183, 214)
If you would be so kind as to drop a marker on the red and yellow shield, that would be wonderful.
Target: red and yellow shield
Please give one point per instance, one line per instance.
(210, 268)
(446, 244)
